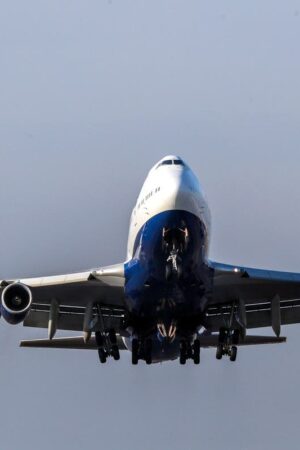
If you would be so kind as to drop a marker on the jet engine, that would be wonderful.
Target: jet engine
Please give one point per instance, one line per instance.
(16, 301)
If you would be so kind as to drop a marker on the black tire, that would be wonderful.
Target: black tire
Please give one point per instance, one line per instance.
(182, 360)
(183, 352)
(148, 351)
(115, 352)
(135, 352)
(102, 355)
(233, 353)
(219, 352)
(196, 351)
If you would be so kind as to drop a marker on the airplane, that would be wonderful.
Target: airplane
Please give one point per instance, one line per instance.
(168, 299)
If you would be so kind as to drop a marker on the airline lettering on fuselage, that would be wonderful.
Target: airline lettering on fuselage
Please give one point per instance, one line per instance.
(147, 197)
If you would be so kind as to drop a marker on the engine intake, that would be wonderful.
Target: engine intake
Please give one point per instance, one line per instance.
(16, 301)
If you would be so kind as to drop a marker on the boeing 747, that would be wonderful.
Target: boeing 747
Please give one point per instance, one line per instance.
(168, 299)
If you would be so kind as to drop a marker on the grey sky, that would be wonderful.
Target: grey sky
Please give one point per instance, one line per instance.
(92, 94)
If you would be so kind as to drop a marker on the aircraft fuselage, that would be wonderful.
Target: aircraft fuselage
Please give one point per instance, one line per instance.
(167, 278)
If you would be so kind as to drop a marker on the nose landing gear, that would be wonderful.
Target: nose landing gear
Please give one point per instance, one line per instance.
(174, 243)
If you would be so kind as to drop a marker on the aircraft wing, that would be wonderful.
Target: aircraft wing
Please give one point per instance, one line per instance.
(73, 343)
(253, 298)
(77, 343)
(68, 298)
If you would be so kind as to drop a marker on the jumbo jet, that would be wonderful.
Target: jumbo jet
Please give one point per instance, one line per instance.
(168, 299)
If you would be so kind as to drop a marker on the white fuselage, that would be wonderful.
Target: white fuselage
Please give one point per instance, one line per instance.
(168, 187)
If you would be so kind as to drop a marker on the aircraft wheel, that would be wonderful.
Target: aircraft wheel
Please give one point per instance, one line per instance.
(196, 351)
(219, 352)
(233, 353)
(183, 352)
(148, 351)
(115, 352)
(102, 355)
(135, 352)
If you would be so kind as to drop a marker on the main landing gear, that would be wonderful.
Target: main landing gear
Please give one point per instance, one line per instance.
(107, 346)
(228, 341)
(106, 341)
(141, 349)
(189, 351)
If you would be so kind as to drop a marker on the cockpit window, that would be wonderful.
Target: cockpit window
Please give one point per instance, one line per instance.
(167, 162)
(170, 162)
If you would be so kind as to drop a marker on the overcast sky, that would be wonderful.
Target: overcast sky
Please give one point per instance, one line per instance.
(92, 94)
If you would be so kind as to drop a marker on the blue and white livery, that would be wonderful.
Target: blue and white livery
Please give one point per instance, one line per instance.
(168, 300)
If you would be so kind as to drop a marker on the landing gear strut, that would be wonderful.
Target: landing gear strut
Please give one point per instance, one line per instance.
(174, 243)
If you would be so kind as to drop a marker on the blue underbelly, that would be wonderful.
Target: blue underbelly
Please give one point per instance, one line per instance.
(149, 291)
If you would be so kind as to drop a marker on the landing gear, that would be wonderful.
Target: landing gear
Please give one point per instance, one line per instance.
(183, 352)
(135, 351)
(228, 340)
(115, 353)
(107, 345)
(174, 243)
(189, 351)
(148, 351)
(106, 340)
(102, 355)
(141, 349)
(219, 352)
(235, 337)
(173, 266)
(196, 351)
(233, 353)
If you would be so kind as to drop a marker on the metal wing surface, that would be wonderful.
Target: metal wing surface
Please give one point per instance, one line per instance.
(253, 298)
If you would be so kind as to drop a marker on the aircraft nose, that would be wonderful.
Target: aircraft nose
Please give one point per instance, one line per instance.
(183, 190)
(179, 181)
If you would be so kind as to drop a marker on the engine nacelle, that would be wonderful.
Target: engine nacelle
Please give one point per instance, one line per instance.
(16, 301)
